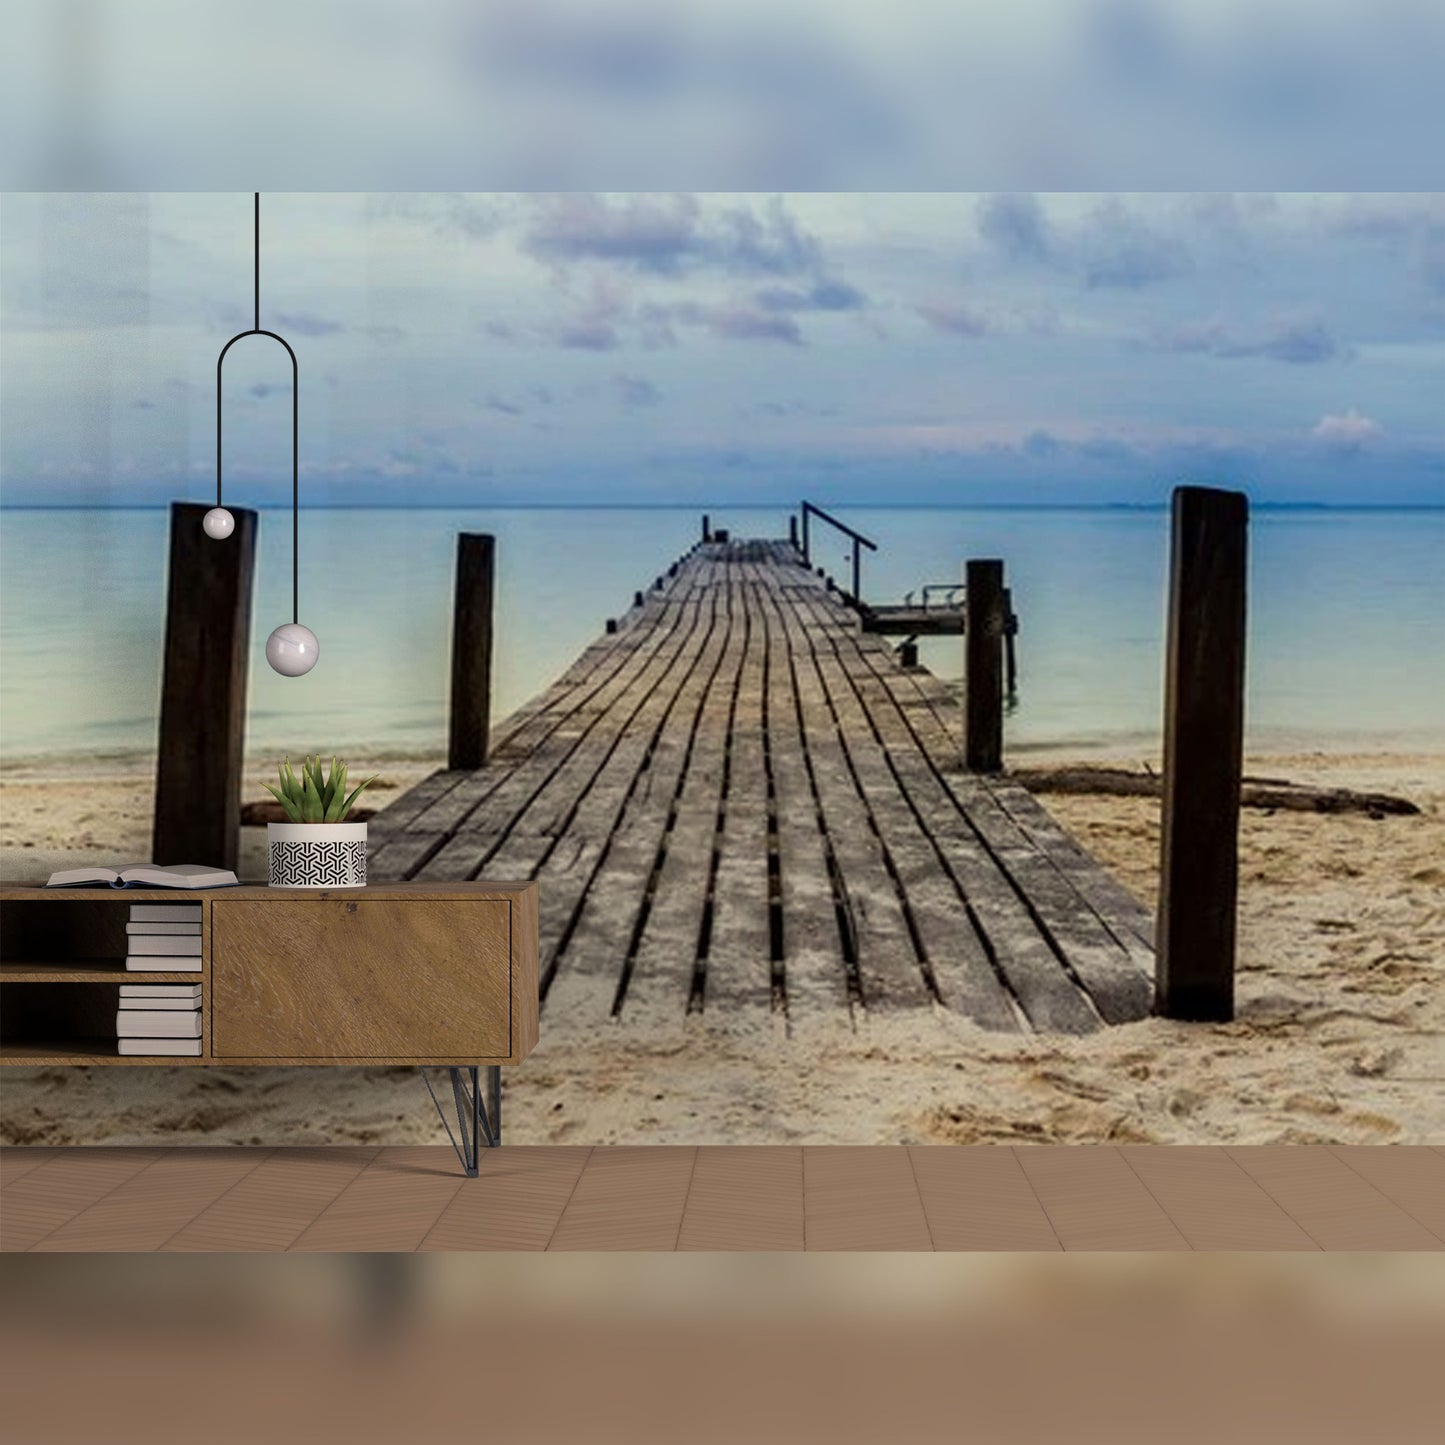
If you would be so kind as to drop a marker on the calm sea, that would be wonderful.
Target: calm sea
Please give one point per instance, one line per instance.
(1347, 618)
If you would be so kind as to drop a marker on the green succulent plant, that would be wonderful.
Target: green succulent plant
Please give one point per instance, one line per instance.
(316, 797)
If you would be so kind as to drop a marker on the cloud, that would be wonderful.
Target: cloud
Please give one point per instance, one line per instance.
(1113, 246)
(635, 391)
(1298, 341)
(1014, 224)
(670, 235)
(822, 296)
(506, 408)
(262, 389)
(306, 323)
(954, 320)
(735, 322)
(1347, 433)
(589, 335)
(1119, 248)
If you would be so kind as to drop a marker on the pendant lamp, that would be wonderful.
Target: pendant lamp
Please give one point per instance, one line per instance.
(291, 649)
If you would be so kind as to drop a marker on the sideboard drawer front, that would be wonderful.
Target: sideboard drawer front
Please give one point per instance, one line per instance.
(333, 979)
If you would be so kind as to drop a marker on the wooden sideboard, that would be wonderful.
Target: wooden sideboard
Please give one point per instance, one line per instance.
(394, 973)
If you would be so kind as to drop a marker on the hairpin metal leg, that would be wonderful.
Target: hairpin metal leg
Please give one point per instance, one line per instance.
(477, 1120)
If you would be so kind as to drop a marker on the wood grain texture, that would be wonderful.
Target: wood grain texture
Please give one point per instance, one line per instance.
(48, 1197)
(1212, 1201)
(628, 1198)
(16, 1161)
(862, 1199)
(1335, 1205)
(514, 1203)
(369, 978)
(745, 1198)
(389, 1206)
(979, 1198)
(1094, 1200)
(269, 1208)
(740, 805)
(147, 1209)
(1413, 1178)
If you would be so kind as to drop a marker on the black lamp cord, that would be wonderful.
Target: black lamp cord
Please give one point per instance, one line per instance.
(295, 419)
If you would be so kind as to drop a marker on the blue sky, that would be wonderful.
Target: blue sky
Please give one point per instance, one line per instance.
(473, 348)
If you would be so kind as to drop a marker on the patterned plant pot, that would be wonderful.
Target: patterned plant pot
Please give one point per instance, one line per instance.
(317, 855)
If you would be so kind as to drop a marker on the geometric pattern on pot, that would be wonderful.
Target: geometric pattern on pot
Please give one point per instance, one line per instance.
(318, 864)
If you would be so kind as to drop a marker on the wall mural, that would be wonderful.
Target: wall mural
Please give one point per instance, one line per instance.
(725, 732)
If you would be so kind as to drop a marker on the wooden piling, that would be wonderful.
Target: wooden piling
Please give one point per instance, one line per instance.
(201, 748)
(1203, 755)
(983, 665)
(471, 700)
(793, 530)
(706, 528)
(611, 626)
(1010, 631)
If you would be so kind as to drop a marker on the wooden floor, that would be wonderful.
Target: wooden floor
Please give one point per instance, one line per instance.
(1082, 1197)
(738, 803)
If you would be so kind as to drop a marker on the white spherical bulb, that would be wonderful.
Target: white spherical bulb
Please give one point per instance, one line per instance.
(218, 523)
(292, 649)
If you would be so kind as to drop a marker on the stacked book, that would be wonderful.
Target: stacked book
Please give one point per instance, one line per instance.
(159, 1018)
(164, 938)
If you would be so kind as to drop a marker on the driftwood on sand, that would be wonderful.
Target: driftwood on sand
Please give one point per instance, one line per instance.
(1267, 793)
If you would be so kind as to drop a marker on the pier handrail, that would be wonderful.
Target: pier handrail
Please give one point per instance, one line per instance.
(812, 510)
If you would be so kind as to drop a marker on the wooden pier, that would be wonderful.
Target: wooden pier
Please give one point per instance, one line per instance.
(741, 805)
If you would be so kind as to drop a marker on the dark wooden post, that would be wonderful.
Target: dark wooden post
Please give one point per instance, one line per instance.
(1203, 746)
(202, 740)
(793, 529)
(807, 538)
(706, 528)
(983, 665)
(857, 593)
(471, 701)
(1010, 631)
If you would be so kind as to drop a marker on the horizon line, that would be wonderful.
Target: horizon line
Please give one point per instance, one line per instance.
(739, 505)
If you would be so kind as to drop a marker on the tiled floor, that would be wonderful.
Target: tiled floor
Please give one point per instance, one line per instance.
(1082, 1197)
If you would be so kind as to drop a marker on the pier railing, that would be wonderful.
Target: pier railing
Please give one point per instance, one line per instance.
(858, 539)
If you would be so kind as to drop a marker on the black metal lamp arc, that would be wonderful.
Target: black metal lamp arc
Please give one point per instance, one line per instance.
(291, 649)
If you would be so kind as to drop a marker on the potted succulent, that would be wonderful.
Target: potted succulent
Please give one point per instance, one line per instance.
(316, 847)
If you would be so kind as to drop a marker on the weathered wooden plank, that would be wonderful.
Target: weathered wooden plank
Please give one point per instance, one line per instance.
(608, 878)
(887, 962)
(488, 800)
(660, 989)
(1124, 916)
(735, 957)
(756, 805)
(815, 974)
(1008, 933)
(1119, 988)
(1113, 966)
(571, 846)
(962, 974)
(539, 794)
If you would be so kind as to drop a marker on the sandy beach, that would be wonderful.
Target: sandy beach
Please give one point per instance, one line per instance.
(1340, 1034)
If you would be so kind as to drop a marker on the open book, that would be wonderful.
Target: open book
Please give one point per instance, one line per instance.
(145, 875)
